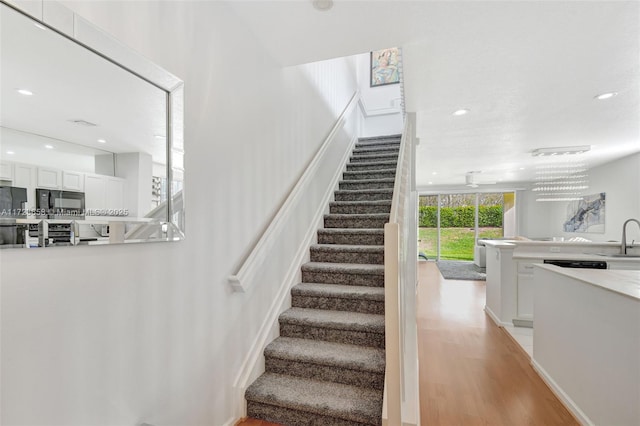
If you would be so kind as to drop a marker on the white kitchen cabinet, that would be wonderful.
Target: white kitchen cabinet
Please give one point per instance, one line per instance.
(104, 192)
(25, 177)
(629, 266)
(72, 181)
(525, 289)
(114, 198)
(95, 188)
(49, 178)
(6, 170)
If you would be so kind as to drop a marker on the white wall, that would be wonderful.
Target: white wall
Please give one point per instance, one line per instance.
(380, 106)
(619, 179)
(136, 167)
(30, 149)
(153, 333)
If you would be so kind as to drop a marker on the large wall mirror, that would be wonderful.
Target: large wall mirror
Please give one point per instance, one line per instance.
(91, 147)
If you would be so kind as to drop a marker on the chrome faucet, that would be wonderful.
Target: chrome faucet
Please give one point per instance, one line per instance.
(623, 247)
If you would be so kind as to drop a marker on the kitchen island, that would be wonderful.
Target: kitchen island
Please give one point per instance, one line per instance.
(510, 266)
(586, 342)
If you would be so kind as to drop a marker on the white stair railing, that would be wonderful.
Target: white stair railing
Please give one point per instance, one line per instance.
(400, 260)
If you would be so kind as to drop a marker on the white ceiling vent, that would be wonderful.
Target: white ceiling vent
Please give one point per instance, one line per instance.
(84, 123)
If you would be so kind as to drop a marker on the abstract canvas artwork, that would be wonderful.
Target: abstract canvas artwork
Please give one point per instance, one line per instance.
(384, 67)
(586, 215)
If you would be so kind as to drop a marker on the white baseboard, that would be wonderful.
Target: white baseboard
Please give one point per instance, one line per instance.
(231, 422)
(251, 367)
(562, 396)
(495, 318)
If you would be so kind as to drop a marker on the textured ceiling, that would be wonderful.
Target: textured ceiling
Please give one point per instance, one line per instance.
(527, 71)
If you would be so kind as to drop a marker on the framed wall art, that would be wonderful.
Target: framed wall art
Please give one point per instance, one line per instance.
(586, 215)
(384, 67)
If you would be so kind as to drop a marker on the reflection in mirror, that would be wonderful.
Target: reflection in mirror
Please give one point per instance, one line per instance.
(87, 141)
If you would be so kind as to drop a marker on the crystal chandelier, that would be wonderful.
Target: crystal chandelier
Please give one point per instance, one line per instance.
(561, 174)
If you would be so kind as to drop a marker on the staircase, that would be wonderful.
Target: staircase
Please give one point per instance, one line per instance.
(327, 367)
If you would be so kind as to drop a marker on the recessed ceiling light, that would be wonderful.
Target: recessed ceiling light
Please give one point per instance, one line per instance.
(49, 146)
(521, 168)
(102, 140)
(607, 95)
(434, 173)
(461, 112)
(24, 92)
(159, 136)
(322, 5)
(10, 152)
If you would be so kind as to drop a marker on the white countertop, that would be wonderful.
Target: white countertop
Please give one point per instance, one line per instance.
(626, 283)
(574, 256)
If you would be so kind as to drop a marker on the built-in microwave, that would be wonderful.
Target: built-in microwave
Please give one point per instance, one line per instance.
(56, 204)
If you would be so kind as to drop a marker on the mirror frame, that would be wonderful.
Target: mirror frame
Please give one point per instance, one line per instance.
(100, 43)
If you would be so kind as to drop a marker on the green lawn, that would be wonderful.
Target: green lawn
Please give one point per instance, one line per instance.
(456, 243)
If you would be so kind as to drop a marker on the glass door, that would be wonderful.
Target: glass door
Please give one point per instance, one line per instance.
(457, 226)
(428, 226)
(450, 224)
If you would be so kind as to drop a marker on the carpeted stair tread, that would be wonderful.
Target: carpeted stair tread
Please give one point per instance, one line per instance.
(350, 220)
(347, 207)
(366, 191)
(351, 231)
(351, 185)
(343, 268)
(369, 174)
(338, 291)
(335, 320)
(377, 139)
(347, 253)
(363, 194)
(319, 352)
(365, 165)
(371, 158)
(374, 180)
(330, 399)
(377, 149)
(353, 248)
(357, 216)
(351, 236)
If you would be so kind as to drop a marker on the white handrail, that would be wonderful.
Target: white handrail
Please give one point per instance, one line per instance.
(397, 280)
(239, 281)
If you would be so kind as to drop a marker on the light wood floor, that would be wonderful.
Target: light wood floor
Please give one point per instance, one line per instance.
(471, 372)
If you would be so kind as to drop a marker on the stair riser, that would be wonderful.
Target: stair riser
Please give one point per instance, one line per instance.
(359, 209)
(343, 278)
(354, 239)
(376, 258)
(356, 222)
(290, 417)
(363, 196)
(359, 167)
(369, 175)
(372, 158)
(362, 338)
(325, 373)
(338, 304)
(351, 185)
